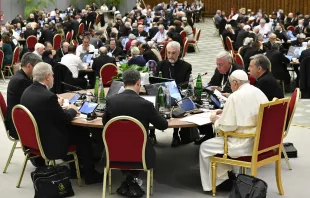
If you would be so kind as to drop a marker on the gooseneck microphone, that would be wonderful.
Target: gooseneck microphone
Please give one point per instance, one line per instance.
(75, 87)
(186, 82)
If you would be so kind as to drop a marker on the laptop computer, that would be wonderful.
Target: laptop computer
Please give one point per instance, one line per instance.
(74, 98)
(88, 107)
(155, 80)
(152, 90)
(189, 106)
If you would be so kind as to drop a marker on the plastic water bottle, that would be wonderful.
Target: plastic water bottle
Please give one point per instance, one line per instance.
(101, 94)
(160, 74)
(198, 86)
(168, 98)
(161, 100)
(190, 87)
(96, 87)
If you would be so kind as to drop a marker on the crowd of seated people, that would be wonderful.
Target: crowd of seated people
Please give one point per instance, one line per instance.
(275, 32)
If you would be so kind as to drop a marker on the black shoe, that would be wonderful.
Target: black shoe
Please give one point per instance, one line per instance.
(200, 140)
(175, 142)
(153, 139)
(93, 177)
(123, 189)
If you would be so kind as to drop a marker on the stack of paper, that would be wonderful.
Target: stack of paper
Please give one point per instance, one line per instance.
(199, 119)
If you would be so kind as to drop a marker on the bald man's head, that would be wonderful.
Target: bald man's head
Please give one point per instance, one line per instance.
(103, 50)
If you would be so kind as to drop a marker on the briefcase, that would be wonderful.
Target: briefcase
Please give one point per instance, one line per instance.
(291, 151)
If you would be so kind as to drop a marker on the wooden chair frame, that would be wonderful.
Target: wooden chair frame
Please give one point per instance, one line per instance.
(107, 169)
(254, 164)
(195, 44)
(47, 161)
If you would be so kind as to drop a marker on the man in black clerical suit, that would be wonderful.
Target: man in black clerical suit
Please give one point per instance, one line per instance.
(144, 111)
(259, 68)
(46, 34)
(102, 60)
(54, 123)
(17, 85)
(114, 49)
(180, 71)
(225, 67)
(305, 53)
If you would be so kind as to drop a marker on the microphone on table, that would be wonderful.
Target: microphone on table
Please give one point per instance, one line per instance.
(83, 95)
(184, 83)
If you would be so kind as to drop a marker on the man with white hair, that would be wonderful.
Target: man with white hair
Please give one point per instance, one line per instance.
(300, 27)
(241, 36)
(239, 115)
(300, 39)
(54, 122)
(264, 28)
(63, 50)
(39, 48)
(136, 58)
(225, 67)
(161, 36)
(228, 32)
(177, 69)
(102, 60)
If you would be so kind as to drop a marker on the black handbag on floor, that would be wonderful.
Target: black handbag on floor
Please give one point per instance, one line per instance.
(52, 182)
(248, 187)
(290, 150)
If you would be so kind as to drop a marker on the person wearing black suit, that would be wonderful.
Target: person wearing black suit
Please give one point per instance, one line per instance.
(94, 7)
(29, 32)
(18, 83)
(256, 48)
(141, 32)
(142, 110)
(241, 36)
(54, 123)
(115, 50)
(63, 50)
(280, 34)
(147, 53)
(46, 35)
(278, 64)
(91, 18)
(305, 53)
(259, 68)
(102, 60)
(75, 26)
(180, 71)
(220, 79)
(153, 31)
(228, 32)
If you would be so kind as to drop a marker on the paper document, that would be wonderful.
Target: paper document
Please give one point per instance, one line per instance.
(235, 17)
(219, 95)
(199, 119)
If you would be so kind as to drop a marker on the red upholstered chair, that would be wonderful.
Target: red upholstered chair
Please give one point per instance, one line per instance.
(238, 60)
(81, 29)
(57, 41)
(69, 37)
(107, 72)
(194, 42)
(240, 50)
(185, 47)
(74, 42)
(194, 31)
(267, 146)
(252, 80)
(223, 43)
(31, 42)
(1, 64)
(129, 148)
(291, 28)
(183, 35)
(29, 136)
(230, 47)
(3, 108)
(97, 19)
(15, 59)
(291, 111)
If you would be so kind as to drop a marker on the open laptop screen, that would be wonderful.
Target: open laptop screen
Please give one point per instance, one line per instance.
(88, 107)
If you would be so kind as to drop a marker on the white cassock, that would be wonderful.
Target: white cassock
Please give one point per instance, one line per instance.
(240, 115)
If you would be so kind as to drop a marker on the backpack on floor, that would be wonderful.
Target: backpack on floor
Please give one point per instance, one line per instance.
(248, 187)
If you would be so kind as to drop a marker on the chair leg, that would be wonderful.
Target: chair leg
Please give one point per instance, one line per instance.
(213, 165)
(23, 170)
(104, 182)
(148, 184)
(2, 74)
(279, 177)
(152, 181)
(110, 182)
(10, 157)
(286, 158)
(243, 170)
(77, 167)
(254, 172)
(197, 47)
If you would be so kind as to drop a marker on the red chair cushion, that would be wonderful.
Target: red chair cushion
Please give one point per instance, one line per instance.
(249, 158)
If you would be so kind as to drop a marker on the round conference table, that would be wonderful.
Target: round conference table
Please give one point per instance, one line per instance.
(97, 123)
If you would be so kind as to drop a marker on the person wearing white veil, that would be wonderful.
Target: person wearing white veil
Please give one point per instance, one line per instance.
(240, 115)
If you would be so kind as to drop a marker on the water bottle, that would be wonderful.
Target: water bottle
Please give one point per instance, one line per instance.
(160, 74)
(190, 87)
(161, 100)
(198, 86)
(101, 94)
(96, 87)
(168, 98)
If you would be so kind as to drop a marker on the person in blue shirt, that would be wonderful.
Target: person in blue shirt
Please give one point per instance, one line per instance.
(136, 59)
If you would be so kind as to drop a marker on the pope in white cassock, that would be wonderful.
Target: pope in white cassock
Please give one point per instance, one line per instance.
(239, 115)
